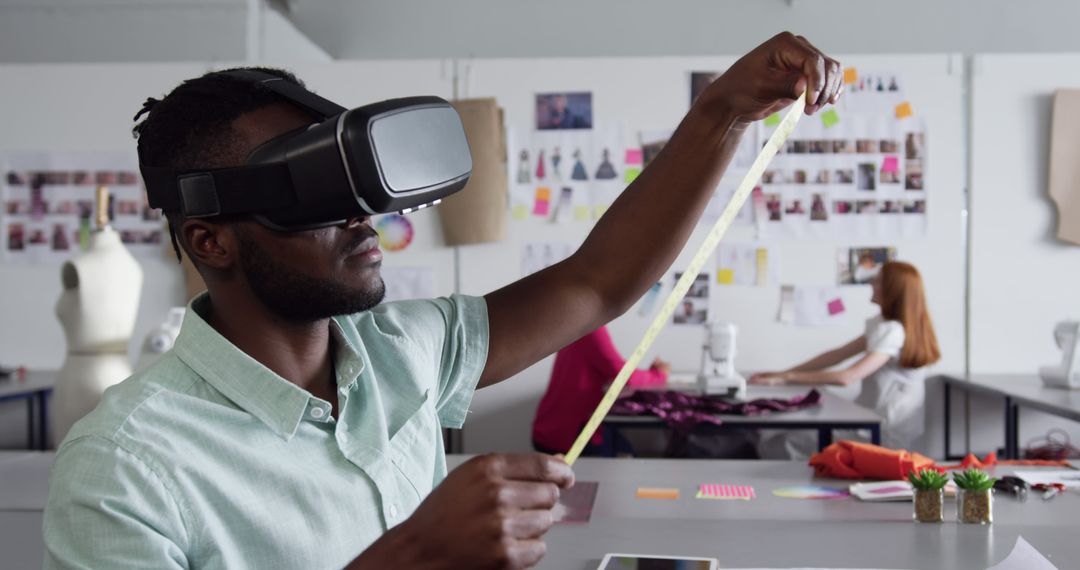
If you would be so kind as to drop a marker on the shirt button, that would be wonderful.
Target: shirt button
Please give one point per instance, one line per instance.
(343, 437)
(393, 511)
(318, 413)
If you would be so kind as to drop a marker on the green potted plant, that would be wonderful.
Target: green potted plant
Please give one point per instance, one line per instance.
(975, 498)
(929, 485)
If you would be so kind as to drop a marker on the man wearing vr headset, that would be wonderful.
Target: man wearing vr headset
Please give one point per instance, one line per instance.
(297, 421)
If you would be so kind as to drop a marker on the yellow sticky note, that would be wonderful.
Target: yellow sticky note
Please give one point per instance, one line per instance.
(851, 75)
(762, 277)
(543, 193)
(904, 110)
(581, 213)
(630, 174)
(772, 120)
(725, 276)
(519, 212)
(598, 212)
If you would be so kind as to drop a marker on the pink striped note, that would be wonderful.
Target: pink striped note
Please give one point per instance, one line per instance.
(738, 492)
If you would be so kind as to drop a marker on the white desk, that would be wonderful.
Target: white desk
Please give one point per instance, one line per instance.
(766, 532)
(782, 533)
(1017, 390)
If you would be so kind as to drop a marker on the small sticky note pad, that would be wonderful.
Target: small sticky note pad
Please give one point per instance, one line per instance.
(519, 212)
(725, 276)
(772, 120)
(829, 118)
(633, 156)
(630, 174)
(904, 110)
(543, 193)
(891, 164)
(657, 493)
(736, 492)
(598, 211)
(851, 75)
(542, 206)
(836, 306)
(581, 213)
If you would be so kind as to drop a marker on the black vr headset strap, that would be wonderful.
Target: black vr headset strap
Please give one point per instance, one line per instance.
(292, 92)
(205, 193)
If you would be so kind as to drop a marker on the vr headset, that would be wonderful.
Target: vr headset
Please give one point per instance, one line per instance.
(395, 156)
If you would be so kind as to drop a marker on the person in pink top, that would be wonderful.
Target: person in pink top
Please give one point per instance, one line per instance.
(582, 372)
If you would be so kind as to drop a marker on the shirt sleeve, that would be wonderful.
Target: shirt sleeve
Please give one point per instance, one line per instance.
(453, 333)
(885, 337)
(607, 362)
(108, 509)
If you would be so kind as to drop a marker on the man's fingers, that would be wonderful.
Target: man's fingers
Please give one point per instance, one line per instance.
(537, 467)
(529, 495)
(527, 553)
(529, 524)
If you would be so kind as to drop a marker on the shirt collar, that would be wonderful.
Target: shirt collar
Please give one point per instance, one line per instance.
(249, 384)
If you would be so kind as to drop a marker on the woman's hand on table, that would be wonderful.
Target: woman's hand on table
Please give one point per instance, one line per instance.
(662, 366)
(768, 379)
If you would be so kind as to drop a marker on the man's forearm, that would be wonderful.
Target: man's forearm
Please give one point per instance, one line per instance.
(639, 237)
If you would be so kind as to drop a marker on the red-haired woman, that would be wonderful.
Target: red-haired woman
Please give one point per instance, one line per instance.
(895, 350)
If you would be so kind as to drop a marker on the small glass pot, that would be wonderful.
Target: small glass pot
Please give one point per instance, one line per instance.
(975, 507)
(929, 505)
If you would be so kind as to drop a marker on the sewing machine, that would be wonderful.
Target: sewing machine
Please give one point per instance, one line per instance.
(1066, 374)
(718, 375)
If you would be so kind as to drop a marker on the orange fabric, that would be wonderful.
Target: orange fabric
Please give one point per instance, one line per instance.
(991, 459)
(847, 459)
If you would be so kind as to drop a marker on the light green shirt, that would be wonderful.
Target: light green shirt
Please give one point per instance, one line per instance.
(209, 460)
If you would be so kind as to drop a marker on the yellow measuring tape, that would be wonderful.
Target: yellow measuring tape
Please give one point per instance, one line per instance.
(683, 285)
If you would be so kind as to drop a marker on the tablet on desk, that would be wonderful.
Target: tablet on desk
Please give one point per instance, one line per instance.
(656, 562)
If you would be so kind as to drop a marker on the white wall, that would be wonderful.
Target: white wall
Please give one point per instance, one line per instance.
(375, 29)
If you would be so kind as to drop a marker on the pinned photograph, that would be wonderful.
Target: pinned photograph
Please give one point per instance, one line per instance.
(795, 208)
(652, 142)
(913, 206)
(844, 176)
(860, 265)
(556, 111)
(913, 177)
(914, 145)
(843, 207)
(889, 207)
(818, 211)
(866, 207)
(867, 176)
(699, 80)
(773, 177)
(890, 146)
(843, 147)
(866, 146)
(773, 206)
(694, 309)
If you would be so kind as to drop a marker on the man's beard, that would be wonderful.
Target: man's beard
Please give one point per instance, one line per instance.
(299, 298)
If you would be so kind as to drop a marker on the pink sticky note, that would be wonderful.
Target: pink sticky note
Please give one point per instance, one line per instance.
(836, 306)
(891, 164)
(633, 156)
(541, 207)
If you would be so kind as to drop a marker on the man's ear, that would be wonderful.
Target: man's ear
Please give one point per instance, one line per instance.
(211, 244)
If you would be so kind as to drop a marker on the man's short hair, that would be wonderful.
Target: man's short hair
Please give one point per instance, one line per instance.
(191, 127)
